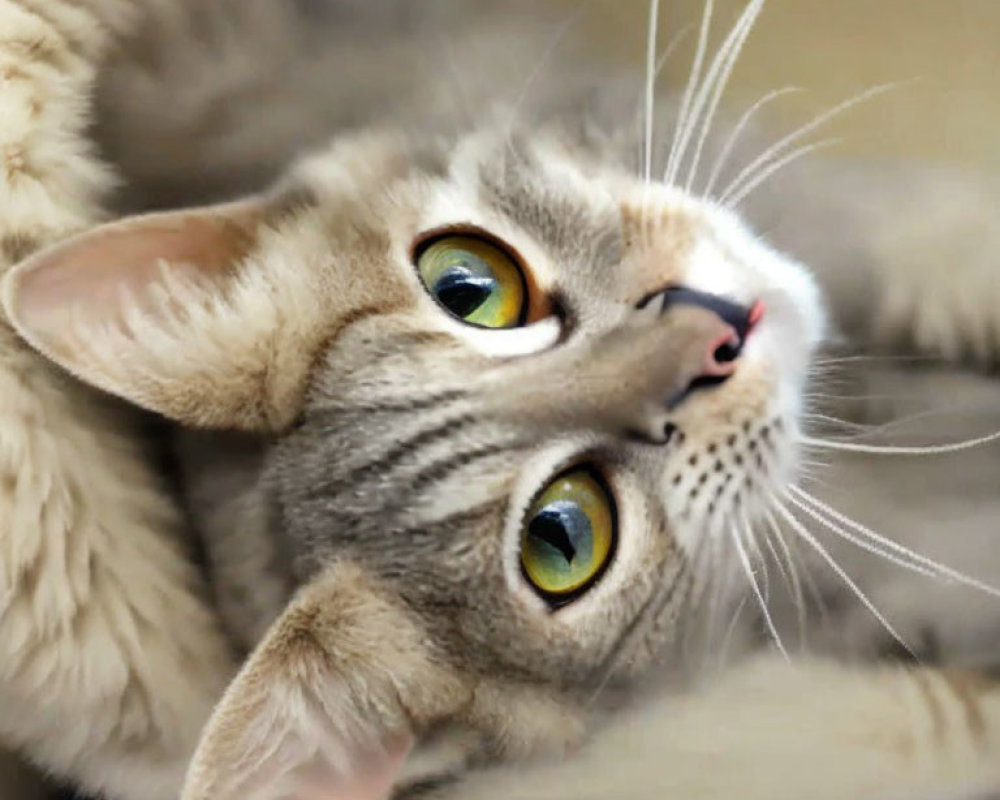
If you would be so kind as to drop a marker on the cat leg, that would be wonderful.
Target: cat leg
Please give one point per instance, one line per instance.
(110, 658)
(772, 730)
(906, 252)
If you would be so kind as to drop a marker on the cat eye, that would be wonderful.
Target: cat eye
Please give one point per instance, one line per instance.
(568, 536)
(474, 279)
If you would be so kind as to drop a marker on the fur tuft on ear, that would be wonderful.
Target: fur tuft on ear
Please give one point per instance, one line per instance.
(187, 313)
(326, 707)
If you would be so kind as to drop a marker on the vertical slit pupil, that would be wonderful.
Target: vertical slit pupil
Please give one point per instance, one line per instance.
(462, 293)
(549, 528)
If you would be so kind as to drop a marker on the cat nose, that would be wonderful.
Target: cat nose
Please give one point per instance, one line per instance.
(720, 359)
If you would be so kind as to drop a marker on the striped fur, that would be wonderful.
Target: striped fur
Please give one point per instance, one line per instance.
(361, 503)
(110, 658)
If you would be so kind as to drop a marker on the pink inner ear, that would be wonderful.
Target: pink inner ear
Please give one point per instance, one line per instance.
(88, 273)
(372, 776)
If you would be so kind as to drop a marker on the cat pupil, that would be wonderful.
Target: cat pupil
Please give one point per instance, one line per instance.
(462, 291)
(562, 526)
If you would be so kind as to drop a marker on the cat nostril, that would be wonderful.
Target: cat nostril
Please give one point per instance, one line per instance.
(728, 352)
(720, 361)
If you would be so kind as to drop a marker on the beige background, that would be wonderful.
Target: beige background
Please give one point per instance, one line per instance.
(947, 50)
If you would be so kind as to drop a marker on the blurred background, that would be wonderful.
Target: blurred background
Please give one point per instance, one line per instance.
(947, 50)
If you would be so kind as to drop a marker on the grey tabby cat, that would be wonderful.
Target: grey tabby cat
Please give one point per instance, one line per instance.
(477, 413)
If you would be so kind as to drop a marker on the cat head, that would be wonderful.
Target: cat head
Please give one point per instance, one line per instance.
(513, 398)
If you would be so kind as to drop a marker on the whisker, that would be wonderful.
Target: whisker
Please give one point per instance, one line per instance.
(460, 95)
(727, 637)
(670, 48)
(693, 80)
(792, 577)
(698, 591)
(738, 129)
(748, 570)
(758, 553)
(543, 60)
(901, 359)
(738, 194)
(797, 134)
(861, 430)
(844, 423)
(661, 62)
(897, 450)
(858, 541)
(776, 560)
(721, 568)
(941, 570)
(654, 19)
(719, 75)
(841, 573)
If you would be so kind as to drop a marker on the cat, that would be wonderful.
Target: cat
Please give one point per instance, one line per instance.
(402, 472)
(111, 656)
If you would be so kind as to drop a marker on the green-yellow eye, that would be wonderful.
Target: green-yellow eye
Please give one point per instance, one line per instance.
(474, 280)
(568, 535)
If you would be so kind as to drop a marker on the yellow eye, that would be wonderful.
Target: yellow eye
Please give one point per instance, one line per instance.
(568, 536)
(474, 280)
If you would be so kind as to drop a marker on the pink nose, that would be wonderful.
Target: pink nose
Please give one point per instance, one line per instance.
(723, 353)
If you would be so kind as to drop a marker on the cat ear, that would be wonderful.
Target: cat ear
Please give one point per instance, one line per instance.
(317, 712)
(176, 312)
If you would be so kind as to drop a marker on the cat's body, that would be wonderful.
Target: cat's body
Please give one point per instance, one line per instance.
(330, 407)
(111, 656)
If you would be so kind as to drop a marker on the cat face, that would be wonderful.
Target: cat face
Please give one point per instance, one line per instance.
(427, 442)
(519, 397)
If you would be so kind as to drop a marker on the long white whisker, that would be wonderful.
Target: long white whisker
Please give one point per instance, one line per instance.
(699, 567)
(542, 62)
(744, 120)
(748, 569)
(758, 553)
(802, 531)
(776, 559)
(779, 563)
(798, 597)
(654, 19)
(693, 80)
(705, 88)
(797, 134)
(858, 541)
(726, 60)
(661, 62)
(715, 598)
(844, 423)
(894, 450)
(940, 570)
(809, 580)
(727, 637)
(670, 48)
(737, 197)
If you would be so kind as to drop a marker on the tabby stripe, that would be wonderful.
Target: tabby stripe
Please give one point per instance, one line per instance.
(440, 469)
(390, 407)
(388, 459)
(349, 319)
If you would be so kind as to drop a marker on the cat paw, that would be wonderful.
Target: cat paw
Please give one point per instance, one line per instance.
(940, 286)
